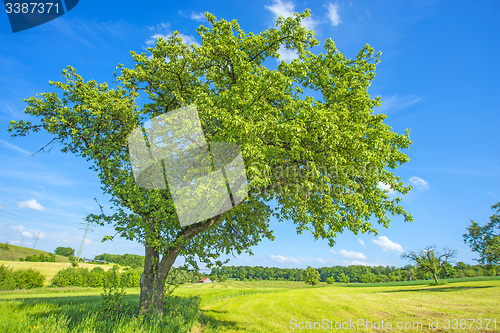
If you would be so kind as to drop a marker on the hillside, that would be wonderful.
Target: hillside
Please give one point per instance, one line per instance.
(15, 252)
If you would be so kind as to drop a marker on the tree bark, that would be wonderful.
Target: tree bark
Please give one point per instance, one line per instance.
(153, 280)
(435, 278)
(156, 270)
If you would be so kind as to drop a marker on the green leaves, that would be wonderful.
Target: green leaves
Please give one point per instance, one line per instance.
(320, 159)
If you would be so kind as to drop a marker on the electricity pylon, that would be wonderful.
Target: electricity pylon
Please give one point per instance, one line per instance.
(36, 240)
(83, 239)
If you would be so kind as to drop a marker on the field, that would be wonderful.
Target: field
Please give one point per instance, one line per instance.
(15, 252)
(49, 269)
(268, 306)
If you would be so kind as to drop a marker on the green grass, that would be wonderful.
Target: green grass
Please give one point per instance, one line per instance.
(258, 306)
(15, 252)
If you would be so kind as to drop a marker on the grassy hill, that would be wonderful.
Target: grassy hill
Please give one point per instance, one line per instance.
(14, 252)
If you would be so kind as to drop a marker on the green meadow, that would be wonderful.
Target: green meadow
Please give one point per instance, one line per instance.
(465, 305)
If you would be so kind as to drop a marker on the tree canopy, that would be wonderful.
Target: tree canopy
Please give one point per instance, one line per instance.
(321, 160)
(485, 240)
(430, 260)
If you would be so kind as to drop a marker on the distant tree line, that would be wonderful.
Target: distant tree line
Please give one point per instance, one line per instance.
(40, 258)
(346, 274)
(132, 260)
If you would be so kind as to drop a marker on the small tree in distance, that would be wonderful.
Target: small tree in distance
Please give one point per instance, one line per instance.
(311, 276)
(64, 251)
(429, 260)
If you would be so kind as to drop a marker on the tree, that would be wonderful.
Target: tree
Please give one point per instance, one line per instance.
(311, 276)
(64, 251)
(485, 240)
(320, 160)
(430, 261)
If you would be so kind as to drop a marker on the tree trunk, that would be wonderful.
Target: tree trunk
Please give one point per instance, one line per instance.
(153, 280)
(435, 278)
(156, 270)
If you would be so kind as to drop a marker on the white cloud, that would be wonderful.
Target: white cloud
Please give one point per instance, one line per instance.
(287, 9)
(362, 242)
(385, 187)
(28, 233)
(282, 259)
(163, 31)
(287, 55)
(200, 17)
(419, 183)
(30, 204)
(88, 242)
(387, 245)
(333, 14)
(321, 261)
(350, 254)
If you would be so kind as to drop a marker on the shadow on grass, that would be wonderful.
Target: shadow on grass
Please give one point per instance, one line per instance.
(181, 313)
(434, 289)
(211, 323)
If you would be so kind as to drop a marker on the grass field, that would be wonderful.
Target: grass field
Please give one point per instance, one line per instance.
(49, 269)
(15, 252)
(266, 306)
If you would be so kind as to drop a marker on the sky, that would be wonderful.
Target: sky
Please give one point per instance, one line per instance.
(438, 77)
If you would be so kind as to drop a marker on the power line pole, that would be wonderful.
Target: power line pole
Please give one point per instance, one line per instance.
(87, 228)
(36, 240)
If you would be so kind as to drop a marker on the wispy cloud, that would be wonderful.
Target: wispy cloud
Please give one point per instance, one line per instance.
(162, 30)
(350, 254)
(387, 245)
(419, 183)
(282, 259)
(14, 147)
(321, 260)
(333, 13)
(362, 242)
(200, 17)
(395, 103)
(42, 176)
(30, 204)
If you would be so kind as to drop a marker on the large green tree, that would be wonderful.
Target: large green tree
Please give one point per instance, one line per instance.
(485, 240)
(320, 160)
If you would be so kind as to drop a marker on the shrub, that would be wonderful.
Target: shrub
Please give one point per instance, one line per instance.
(28, 278)
(330, 280)
(6, 278)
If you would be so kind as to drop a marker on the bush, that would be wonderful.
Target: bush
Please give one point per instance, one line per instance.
(330, 280)
(6, 278)
(97, 277)
(28, 278)
(40, 258)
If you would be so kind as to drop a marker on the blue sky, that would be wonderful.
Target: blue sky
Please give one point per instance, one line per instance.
(438, 76)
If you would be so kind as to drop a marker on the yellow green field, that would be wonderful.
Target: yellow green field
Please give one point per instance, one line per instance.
(273, 306)
(49, 269)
